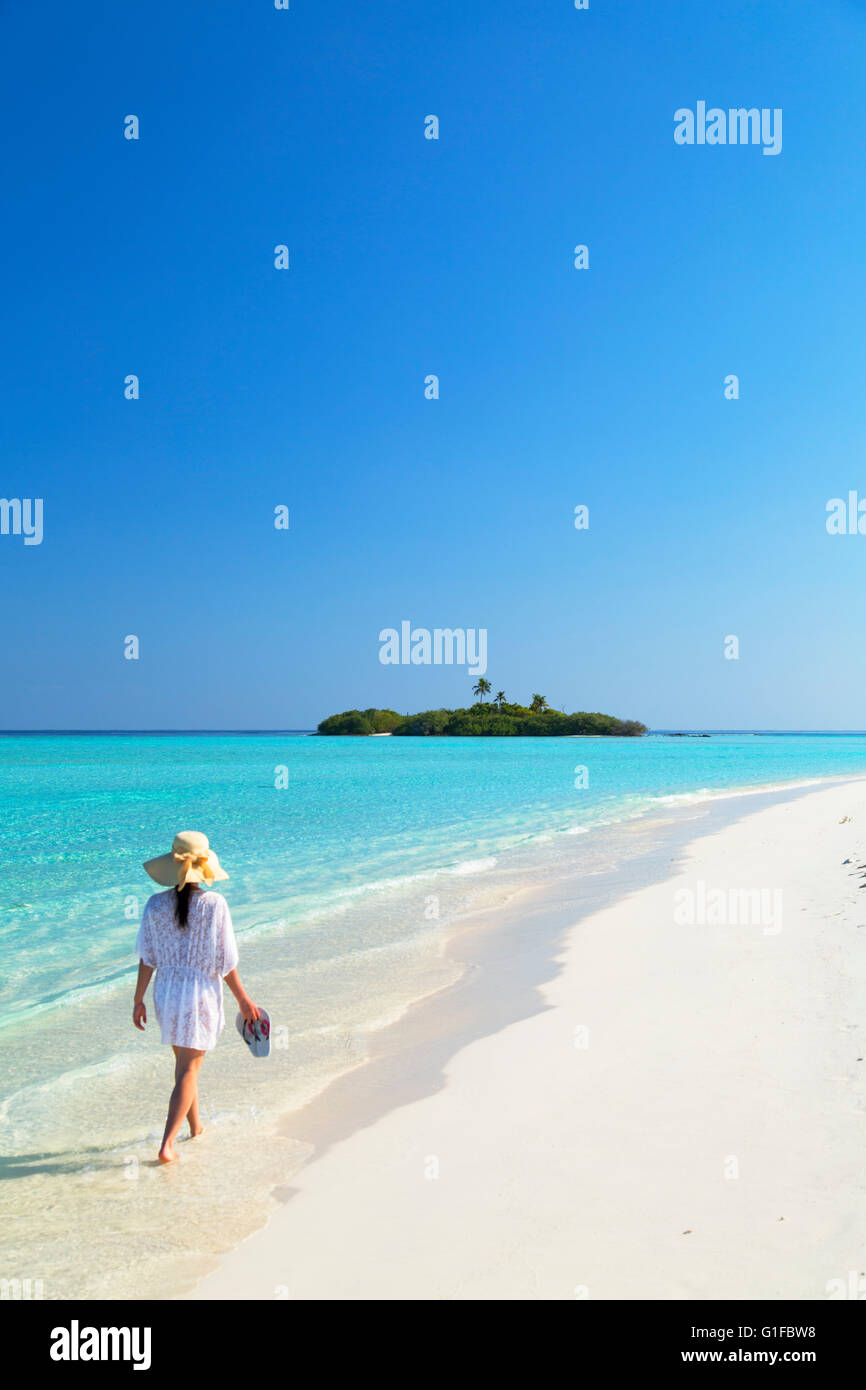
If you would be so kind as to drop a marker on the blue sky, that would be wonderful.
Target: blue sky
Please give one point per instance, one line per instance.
(409, 257)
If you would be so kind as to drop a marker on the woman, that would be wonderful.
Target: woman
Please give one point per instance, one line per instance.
(186, 936)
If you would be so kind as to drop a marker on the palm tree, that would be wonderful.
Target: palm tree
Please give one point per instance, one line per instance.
(500, 698)
(482, 688)
(538, 703)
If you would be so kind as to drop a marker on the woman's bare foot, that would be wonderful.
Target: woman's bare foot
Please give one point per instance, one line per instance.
(167, 1154)
(195, 1132)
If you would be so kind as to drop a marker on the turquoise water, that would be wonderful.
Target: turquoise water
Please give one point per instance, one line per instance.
(80, 813)
(345, 884)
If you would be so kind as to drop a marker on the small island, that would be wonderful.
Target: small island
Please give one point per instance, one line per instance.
(498, 719)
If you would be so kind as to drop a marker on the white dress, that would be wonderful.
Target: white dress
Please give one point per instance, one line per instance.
(190, 964)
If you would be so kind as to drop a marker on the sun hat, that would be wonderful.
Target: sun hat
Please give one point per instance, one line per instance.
(191, 860)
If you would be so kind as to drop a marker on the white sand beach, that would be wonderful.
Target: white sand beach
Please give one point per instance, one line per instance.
(668, 1110)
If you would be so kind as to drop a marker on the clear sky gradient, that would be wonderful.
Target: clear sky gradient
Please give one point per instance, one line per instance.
(408, 257)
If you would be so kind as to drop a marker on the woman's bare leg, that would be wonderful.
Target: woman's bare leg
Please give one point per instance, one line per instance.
(195, 1125)
(184, 1097)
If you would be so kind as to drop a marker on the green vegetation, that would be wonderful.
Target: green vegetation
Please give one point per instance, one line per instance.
(497, 720)
(366, 721)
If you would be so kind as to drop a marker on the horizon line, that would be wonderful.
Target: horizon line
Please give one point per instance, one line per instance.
(9, 733)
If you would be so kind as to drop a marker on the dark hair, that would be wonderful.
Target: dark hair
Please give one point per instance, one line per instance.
(181, 906)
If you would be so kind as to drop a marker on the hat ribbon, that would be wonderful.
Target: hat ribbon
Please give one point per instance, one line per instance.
(192, 861)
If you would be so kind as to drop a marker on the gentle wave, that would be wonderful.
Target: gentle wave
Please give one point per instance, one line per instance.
(472, 866)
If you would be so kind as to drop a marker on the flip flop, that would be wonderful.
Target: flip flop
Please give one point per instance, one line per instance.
(257, 1036)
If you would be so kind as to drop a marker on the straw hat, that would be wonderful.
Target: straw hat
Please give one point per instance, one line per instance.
(190, 861)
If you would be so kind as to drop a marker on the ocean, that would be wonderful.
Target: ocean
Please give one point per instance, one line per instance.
(352, 862)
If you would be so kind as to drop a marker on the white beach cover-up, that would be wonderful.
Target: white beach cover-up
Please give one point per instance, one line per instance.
(190, 963)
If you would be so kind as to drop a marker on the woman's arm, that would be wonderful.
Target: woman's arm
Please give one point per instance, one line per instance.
(139, 1012)
(249, 1010)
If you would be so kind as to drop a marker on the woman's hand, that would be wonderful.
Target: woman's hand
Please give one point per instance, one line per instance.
(139, 1015)
(249, 1010)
